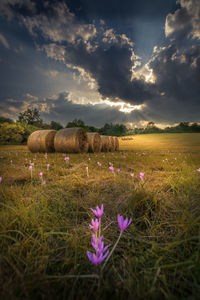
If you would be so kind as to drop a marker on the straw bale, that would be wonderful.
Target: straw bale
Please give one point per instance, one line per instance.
(71, 140)
(112, 143)
(41, 141)
(116, 143)
(95, 143)
(105, 143)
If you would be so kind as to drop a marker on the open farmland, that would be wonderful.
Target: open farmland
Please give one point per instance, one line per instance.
(44, 233)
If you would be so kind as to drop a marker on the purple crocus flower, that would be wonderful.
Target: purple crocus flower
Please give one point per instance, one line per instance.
(123, 223)
(95, 241)
(1, 179)
(30, 168)
(98, 244)
(67, 158)
(198, 170)
(132, 174)
(40, 174)
(43, 183)
(98, 212)
(99, 164)
(118, 170)
(97, 258)
(87, 171)
(111, 168)
(141, 175)
(95, 225)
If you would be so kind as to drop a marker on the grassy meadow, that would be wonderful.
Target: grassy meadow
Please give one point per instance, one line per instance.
(44, 229)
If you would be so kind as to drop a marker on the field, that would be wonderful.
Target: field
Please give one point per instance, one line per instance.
(44, 229)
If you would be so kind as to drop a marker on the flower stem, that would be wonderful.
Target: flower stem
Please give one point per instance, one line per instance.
(99, 227)
(105, 262)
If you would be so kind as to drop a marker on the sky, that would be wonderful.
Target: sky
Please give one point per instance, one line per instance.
(130, 61)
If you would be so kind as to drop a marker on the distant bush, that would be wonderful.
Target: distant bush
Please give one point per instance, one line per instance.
(11, 133)
(16, 133)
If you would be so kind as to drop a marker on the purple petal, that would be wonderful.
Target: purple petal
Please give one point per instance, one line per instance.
(94, 211)
(120, 221)
(125, 223)
(105, 248)
(104, 256)
(89, 254)
(98, 210)
(129, 222)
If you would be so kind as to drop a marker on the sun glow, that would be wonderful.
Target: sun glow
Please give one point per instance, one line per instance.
(124, 107)
(145, 73)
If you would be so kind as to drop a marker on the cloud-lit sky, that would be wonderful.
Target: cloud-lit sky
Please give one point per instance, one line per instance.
(130, 61)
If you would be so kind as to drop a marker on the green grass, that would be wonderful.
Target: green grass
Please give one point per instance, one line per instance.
(44, 232)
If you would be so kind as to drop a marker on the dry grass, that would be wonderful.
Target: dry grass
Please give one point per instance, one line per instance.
(44, 233)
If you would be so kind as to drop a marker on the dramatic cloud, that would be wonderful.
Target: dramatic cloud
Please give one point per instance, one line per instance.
(60, 108)
(84, 49)
(108, 57)
(176, 66)
(184, 22)
(8, 7)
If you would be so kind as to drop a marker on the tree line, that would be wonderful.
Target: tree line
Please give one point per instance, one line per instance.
(30, 120)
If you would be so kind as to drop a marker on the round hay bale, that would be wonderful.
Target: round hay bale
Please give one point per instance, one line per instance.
(116, 143)
(112, 143)
(71, 140)
(41, 141)
(105, 143)
(95, 143)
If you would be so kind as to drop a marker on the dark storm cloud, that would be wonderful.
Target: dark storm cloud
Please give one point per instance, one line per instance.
(110, 67)
(107, 56)
(184, 22)
(178, 73)
(177, 65)
(67, 33)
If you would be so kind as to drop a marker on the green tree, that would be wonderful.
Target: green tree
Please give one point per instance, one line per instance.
(76, 123)
(92, 129)
(195, 127)
(30, 116)
(56, 125)
(113, 129)
(184, 126)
